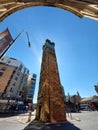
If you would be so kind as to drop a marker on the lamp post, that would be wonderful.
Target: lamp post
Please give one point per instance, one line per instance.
(14, 41)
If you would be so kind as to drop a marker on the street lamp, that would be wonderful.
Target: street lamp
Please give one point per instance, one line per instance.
(29, 45)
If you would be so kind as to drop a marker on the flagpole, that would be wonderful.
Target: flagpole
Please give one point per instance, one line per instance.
(13, 43)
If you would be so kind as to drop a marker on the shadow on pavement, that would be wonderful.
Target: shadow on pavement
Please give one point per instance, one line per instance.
(10, 114)
(56, 126)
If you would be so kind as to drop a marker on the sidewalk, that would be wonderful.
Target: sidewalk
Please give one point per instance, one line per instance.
(26, 117)
(86, 120)
(79, 121)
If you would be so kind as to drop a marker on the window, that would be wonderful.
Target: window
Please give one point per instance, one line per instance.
(11, 76)
(33, 79)
(16, 78)
(3, 68)
(27, 71)
(18, 73)
(20, 93)
(34, 75)
(30, 95)
(11, 90)
(1, 73)
(9, 61)
(20, 68)
(14, 84)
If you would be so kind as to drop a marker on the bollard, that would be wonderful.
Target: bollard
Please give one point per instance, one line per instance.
(29, 117)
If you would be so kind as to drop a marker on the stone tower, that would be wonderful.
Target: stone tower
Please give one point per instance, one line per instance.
(50, 102)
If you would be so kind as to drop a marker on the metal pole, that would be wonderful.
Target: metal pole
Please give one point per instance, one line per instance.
(14, 41)
(10, 46)
(28, 40)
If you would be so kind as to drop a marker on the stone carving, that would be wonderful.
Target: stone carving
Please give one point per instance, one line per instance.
(86, 8)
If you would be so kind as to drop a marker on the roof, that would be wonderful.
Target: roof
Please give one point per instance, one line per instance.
(89, 99)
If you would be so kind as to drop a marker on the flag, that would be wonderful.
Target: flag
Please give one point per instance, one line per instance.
(5, 39)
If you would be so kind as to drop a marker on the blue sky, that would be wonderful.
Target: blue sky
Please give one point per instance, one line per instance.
(76, 45)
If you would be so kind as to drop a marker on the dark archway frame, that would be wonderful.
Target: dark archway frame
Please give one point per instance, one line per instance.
(81, 8)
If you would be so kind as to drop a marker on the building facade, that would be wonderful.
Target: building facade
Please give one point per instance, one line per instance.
(29, 92)
(15, 87)
(50, 102)
(6, 73)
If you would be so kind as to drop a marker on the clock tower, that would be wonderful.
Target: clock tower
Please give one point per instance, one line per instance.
(50, 102)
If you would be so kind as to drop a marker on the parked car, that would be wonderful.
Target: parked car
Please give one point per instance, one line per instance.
(84, 107)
